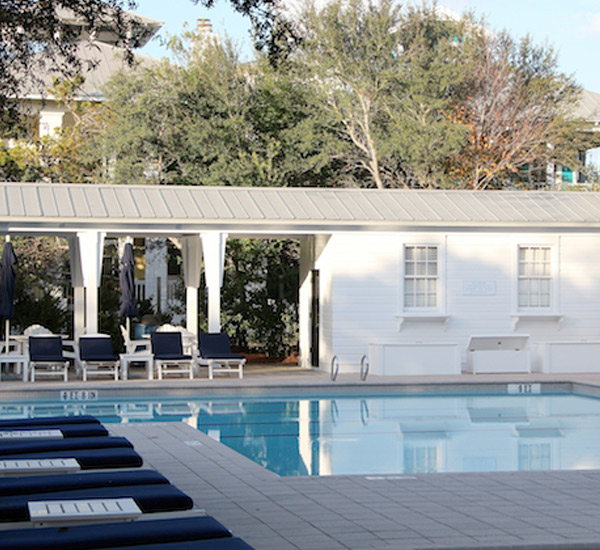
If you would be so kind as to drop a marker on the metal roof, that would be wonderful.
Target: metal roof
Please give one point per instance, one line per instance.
(588, 107)
(101, 62)
(178, 209)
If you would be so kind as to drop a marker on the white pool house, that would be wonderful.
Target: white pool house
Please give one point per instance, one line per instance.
(412, 281)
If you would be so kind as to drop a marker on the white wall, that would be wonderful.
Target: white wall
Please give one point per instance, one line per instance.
(361, 292)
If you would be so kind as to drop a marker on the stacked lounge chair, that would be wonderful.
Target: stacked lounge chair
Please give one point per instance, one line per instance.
(84, 440)
(146, 512)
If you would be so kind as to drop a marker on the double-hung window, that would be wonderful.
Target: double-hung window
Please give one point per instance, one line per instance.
(535, 286)
(421, 277)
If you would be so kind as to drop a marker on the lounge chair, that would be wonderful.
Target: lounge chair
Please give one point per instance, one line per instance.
(150, 498)
(46, 357)
(229, 543)
(97, 358)
(86, 459)
(32, 446)
(29, 485)
(153, 534)
(47, 421)
(215, 353)
(168, 353)
(65, 430)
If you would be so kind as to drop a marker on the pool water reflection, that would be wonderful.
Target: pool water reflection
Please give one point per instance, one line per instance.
(295, 436)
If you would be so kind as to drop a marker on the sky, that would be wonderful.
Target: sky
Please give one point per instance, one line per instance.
(571, 27)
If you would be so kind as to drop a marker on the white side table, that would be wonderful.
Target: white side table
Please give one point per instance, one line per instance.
(147, 358)
(20, 361)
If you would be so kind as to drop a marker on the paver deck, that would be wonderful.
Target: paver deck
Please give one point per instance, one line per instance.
(534, 510)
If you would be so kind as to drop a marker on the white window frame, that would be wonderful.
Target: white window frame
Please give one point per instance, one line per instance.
(439, 308)
(554, 280)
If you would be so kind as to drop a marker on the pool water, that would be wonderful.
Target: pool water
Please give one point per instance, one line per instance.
(375, 435)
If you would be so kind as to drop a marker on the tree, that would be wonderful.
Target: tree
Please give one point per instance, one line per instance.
(42, 271)
(384, 81)
(514, 107)
(211, 119)
(260, 294)
(41, 37)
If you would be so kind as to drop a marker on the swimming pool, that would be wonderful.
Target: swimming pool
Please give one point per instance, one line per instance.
(373, 434)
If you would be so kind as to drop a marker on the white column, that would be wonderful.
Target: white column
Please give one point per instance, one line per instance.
(78, 289)
(91, 247)
(307, 262)
(191, 252)
(311, 247)
(213, 248)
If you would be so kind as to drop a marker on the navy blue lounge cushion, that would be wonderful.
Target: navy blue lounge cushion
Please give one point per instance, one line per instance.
(8, 448)
(229, 543)
(94, 349)
(168, 345)
(48, 421)
(114, 535)
(92, 459)
(149, 498)
(27, 485)
(68, 430)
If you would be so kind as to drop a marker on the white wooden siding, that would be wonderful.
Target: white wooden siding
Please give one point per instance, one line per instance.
(361, 300)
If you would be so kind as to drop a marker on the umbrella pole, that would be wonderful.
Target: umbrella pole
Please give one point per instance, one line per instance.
(128, 327)
(6, 334)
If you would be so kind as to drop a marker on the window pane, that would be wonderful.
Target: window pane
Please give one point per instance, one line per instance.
(420, 285)
(522, 254)
(420, 276)
(547, 268)
(535, 277)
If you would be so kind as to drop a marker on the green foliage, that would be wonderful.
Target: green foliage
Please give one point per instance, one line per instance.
(42, 269)
(260, 295)
(383, 81)
(214, 120)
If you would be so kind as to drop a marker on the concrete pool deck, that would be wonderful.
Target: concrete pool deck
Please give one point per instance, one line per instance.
(535, 510)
